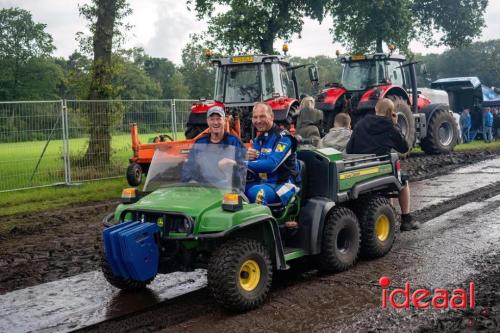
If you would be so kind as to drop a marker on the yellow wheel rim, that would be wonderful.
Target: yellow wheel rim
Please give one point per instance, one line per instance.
(249, 275)
(382, 227)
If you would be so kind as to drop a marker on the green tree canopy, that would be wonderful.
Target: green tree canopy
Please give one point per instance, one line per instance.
(481, 59)
(21, 38)
(363, 25)
(24, 47)
(197, 70)
(250, 26)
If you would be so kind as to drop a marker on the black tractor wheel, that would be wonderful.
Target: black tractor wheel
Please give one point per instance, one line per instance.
(442, 133)
(123, 284)
(341, 241)
(377, 219)
(239, 274)
(406, 121)
(192, 131)
(134, 174)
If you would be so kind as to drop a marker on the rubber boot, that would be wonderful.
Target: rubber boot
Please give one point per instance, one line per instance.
(408, 224)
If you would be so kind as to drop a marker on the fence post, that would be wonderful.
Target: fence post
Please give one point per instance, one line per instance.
(174, 118)
(65, 134)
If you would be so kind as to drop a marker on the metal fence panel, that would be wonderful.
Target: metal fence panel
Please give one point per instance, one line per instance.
(44, 143)
(182, 110)
(31, 146)
(102, 121)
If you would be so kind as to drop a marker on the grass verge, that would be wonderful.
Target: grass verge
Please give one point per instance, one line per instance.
(46, 198)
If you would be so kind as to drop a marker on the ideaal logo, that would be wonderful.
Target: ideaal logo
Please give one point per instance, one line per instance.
(424, 298)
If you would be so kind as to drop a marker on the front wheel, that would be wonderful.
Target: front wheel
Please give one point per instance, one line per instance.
(240, 274)
(442, 133)
(134, 174)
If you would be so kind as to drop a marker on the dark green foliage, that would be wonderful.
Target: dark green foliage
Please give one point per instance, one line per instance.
(196, 69)
(364, 25)
(329, 70)
(481, 59)
(24, 49)
(253, 26)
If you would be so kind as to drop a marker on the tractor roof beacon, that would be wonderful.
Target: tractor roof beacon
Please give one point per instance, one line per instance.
(179, 224)
(368, 78)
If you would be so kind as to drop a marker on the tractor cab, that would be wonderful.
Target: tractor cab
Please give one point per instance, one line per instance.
(243, 80)
(361, 72)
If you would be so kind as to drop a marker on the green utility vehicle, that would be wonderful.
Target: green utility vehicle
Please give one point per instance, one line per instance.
(193, 213)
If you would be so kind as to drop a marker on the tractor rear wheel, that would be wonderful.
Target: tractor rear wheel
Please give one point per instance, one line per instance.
(239, 274)
(120, 283)
(341, 241)
(378, 226)
(192, 131)
(406, 121)
(442, 133)
(134, 174)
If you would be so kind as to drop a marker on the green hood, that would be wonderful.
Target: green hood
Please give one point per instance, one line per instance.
(190, 200)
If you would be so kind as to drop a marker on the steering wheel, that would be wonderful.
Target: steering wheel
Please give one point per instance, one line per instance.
(252, 176)
(251, 91)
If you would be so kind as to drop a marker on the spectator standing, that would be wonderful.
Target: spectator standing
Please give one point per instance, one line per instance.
(487, 125)
(465, 125)
(496, 123)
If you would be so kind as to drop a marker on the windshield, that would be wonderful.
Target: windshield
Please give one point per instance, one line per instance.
(360, 75)
(238, 84)
(206, 165)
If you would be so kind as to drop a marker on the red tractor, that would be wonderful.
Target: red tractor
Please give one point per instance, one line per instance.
(240, 81)
(368, 78)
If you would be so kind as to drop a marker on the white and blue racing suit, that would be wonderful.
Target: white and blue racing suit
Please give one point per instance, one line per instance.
(276, 168)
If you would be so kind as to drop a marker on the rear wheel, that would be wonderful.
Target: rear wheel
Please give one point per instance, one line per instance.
(240, 274)
(134, 174)
(378, 226)
(405, 121)
(192, 131)
(442, 133)
(340, 243)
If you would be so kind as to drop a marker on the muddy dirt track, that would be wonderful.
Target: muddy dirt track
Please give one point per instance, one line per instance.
(62, 243)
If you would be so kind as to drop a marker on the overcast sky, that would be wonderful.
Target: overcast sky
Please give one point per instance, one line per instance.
(162, 27)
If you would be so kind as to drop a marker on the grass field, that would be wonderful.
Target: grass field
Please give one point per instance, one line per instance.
(18, 161)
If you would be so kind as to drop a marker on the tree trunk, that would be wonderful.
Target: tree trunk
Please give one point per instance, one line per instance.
(266, 45)
(379, 45)
(100, 114)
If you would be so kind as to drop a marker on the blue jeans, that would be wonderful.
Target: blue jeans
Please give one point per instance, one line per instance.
(488, 133)
(465, 134)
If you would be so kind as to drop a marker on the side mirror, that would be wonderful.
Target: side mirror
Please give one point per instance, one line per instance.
(313, 74)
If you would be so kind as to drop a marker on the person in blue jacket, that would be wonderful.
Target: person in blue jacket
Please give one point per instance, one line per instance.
(465, 125)
(213, 156)
(272, 161)
(487, 125)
